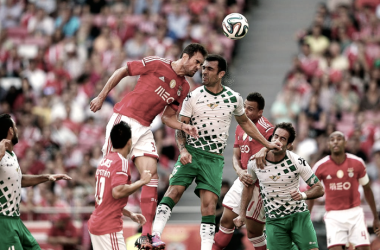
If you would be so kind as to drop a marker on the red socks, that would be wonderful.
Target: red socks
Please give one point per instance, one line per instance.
(148, 204)
(222, 238)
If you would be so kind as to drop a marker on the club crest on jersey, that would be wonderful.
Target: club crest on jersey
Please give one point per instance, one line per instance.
(339, 174)
(179, 90)
(172, 84)
(350, 172)
(274, 177)
(212, 105)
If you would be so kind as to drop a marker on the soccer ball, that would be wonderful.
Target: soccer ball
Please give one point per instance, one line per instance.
(235, 26)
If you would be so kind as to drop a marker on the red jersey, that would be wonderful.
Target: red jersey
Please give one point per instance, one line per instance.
(112, 172)
(341, 181)
(157, 87)
(247, 145)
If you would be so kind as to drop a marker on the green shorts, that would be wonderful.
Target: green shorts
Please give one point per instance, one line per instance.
(296, 228)
(206, 168)
(14, 234)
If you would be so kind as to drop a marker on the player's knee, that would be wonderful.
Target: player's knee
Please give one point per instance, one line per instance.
(227, 222)
(208, 208)
(174, 193)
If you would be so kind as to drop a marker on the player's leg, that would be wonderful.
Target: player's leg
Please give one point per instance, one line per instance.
(114, 241)
(27, 240)
(336, 229)
(12, 232)
(278, 233)
(208, 210)
(231, 203)
(255, 234)
(181, 177)
(303, 232)
(358, 234)
(107, 146)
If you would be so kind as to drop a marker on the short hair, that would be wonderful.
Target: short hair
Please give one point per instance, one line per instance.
(222, 63)
(288, 127)
(5, 124)
(120, 135)
(193, 48)
(258, 98)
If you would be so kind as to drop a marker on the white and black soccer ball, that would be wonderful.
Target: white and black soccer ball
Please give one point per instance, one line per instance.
(235, 26)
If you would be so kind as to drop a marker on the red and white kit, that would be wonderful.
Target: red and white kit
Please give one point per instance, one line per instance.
(106, 224)
(157, 87)
(344, 217)
(248, 147)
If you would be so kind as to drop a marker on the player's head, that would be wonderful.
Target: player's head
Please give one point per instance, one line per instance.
(254, 106)
(121, 136)
(337, 143)
(8, 129)
(213, 70)
(285, 134)
(193, 57)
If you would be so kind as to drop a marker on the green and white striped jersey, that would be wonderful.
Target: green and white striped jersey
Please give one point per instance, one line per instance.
(211, 114)
(277, 179)
(10, 185)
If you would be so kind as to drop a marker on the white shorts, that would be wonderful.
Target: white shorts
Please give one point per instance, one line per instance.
(255, 210)
(344, 226)
(143, 143)
(114, 241)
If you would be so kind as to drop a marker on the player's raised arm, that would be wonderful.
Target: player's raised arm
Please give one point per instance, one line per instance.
(169, 118)
(97, 102)
(251, 129)
(180, 138)
(125, 190)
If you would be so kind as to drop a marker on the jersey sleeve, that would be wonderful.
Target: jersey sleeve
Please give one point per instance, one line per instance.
(251, 170)
(363, 176)
(119, 173)
(140, 67)
(236, 143)
(268, 133)
(187, 108)
(239, 110)
(305, 170)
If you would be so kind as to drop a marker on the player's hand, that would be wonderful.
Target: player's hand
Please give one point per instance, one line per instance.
(274, 145)
(57, 177)
(190, 130)
(96, 104)
(146, 176)
(245, 178)
(138, 218)
(185, 157)
(261, 162)
(296, 195)
(376, 226)
(4, 144)
(239, 221)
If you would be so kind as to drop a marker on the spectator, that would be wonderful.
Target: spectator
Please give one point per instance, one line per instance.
(318, 43)
(63, 233)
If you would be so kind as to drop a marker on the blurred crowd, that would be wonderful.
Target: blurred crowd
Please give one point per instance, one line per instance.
(334, 84)
(55, 56)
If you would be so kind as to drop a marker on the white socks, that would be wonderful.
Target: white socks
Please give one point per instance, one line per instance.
(207, 232)
(163, 213)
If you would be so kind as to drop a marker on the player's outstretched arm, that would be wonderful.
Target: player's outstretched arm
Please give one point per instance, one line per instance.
(371, 202)
(138, 218)
(32, 180)
(97, 102)
(250, 128)
(125, 190)
(169, 118)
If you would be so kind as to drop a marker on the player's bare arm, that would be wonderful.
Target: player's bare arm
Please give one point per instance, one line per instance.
(138, 218)
(371, 202)
(316, 190)
(4, 145)
(180, 138)
(169, 118)
(32, 180)
(125, 190)
(250, 128)
(245, 198)
(97, 102)
(244, 177)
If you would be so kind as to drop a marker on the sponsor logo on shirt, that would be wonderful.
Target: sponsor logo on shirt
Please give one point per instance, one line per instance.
(164, 95)
(340, 186)
(274, 177)
(172, 84)
(244, 149)
(340, 173)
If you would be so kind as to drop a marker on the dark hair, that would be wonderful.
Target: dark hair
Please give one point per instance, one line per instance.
(5, 124)
(288, 127)
(258, 98)
(120, 135)
(193, 48)
(222, 63)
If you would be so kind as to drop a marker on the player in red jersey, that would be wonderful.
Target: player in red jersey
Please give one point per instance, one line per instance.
(341, 174)
(113, 186)
(244, 148)
(161, 87)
